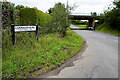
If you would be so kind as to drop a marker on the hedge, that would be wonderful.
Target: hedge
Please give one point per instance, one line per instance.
(32, 16)
(44, 18)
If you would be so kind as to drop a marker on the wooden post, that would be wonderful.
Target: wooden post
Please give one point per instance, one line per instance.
(37, 31)
(13, 33)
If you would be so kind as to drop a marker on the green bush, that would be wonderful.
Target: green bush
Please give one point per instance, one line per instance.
(27, 15)
(32, 16)
(59, 19)
(42, 18)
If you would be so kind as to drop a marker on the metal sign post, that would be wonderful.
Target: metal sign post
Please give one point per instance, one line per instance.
(13, 33)
(37, 31)
(23, 29)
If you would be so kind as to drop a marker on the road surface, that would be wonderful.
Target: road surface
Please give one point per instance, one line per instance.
(100, 60)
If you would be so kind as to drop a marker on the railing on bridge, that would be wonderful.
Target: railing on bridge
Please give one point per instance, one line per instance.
(85, 14)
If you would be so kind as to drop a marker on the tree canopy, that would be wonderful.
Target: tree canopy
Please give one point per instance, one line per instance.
(111, 18)
(59, 18)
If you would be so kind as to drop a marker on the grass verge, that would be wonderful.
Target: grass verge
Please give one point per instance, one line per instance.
(29, 55)
(108, 30)
(81, 26)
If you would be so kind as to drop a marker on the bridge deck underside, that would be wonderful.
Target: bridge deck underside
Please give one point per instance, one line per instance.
(79, 17)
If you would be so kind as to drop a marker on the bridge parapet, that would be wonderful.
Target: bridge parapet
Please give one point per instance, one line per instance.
(85, 14)
(83, 17)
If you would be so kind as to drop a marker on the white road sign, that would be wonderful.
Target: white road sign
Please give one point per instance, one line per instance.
(25, 28)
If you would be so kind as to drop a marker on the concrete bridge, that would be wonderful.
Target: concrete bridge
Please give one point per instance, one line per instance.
(91, 19)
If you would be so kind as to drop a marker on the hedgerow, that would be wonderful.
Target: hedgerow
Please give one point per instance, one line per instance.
(27, 16)
(32, 16)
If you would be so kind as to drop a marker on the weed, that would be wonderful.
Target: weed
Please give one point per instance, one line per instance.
(29, 55)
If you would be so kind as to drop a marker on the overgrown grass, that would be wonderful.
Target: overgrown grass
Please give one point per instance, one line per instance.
(0, 64)
(0, 54)
(81, 26)
(109, 30)
(29, 55)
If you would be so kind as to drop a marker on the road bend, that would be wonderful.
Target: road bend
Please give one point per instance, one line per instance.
(100, 60)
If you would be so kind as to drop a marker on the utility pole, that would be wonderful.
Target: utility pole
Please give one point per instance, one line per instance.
(67, 13)
(67, 6)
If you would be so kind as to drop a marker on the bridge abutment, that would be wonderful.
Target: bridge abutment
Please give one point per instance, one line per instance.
(91, 23)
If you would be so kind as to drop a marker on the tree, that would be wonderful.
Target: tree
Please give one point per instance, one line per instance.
(117, 4)
(50, 10)
(19, 7)
(59, 16)
(111, 19)
(93, 14)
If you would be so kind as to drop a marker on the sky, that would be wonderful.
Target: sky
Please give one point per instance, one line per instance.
(83, 6)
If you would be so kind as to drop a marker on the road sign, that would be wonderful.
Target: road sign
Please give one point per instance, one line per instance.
(23, 29)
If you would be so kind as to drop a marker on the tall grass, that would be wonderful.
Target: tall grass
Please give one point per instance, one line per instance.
(108, 30)
(29, 55)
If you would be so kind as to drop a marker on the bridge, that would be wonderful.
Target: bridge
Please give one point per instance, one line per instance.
(85, 16)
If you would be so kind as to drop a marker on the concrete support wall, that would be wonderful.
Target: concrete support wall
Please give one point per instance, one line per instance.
(0, 40)
(91, 23)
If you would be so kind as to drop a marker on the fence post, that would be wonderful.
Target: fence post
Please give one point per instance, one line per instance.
(13, 33)
(37, 31)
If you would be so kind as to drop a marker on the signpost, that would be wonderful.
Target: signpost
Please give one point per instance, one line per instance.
(15, 29)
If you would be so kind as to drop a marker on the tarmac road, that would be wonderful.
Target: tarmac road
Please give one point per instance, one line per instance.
(100, 60)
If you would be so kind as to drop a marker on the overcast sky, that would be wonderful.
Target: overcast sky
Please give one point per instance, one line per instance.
(84, 6)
